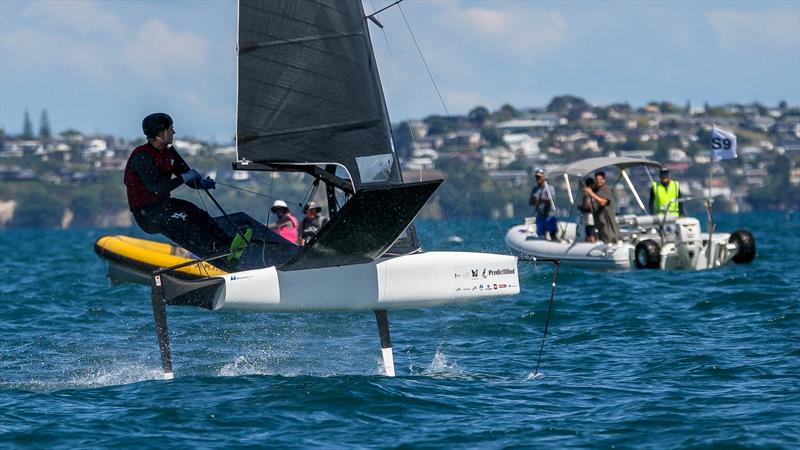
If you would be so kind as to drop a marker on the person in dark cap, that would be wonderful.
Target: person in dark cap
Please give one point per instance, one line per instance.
(152, 172)
(312, 222)
(543, 201)
(664, 195)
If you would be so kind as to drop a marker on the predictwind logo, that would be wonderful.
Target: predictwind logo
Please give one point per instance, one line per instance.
(502, 272)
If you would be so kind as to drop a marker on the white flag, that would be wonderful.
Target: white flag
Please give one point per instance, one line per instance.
(723, 144)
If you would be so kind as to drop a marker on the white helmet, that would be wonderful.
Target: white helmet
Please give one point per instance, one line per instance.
(279, 204)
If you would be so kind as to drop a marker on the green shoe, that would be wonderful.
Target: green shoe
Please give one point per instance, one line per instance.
(239, 244)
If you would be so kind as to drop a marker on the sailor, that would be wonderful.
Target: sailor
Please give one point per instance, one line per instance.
(664, 195)
(312, 222)
(153, 171)
(285, 223)
(543, 201)
(605, 215)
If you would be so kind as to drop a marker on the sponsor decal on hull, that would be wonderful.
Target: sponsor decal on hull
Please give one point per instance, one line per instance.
(240, 277)
(497, 272)
(482, 279)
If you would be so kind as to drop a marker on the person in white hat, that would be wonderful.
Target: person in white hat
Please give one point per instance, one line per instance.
(285, 223)
(312, 222)
(543, 201)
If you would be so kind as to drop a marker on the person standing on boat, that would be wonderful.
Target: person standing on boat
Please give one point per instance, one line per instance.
(285, 223)
(312, 222)
(605, 216)
(664, 196)
(543, 201)
(587, 208)
(153, 171)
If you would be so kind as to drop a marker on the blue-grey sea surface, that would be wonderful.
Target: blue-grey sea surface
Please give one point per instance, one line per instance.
(646, 359)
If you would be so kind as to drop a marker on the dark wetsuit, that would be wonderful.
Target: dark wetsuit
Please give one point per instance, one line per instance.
(150, 176)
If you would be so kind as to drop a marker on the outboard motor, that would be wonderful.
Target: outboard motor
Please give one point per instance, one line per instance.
(688, 240)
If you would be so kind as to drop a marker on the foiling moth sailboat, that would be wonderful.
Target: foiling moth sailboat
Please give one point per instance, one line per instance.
(310, 100)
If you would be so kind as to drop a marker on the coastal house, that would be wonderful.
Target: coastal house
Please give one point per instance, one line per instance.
(759, 123)
(677, 155)
(187, 147)
(523, 144)
(418, 128)
(418, 163)
(227, 150)
(794, 174)
(755, 177)
(19, 147)
(463, 140)
(538, 125)
(94, 148)
(497, 157)
(428, 142)
(512, 178)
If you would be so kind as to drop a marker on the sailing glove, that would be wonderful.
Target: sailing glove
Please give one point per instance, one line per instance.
(208, 183)
(191, 178)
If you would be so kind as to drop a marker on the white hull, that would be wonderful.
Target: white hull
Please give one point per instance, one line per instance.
(685, 248)
(410, 281)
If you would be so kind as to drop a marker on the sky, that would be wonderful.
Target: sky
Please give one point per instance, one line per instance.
(100, 66)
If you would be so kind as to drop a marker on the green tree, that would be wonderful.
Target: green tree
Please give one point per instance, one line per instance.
(85, 205)
(564, 104)
(668, 107)
(44, 126)
(403, 139)
(38, 207)
(441, 124)
(778, 192)
(664, 144)
(27, 127)
(506, 112)
(494, 137)
(478, 116)
(467, 191)
(70, 134)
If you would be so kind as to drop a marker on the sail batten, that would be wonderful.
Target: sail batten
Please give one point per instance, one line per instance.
(248, 46)
(344, 126)
(309, 91)
(338, 102)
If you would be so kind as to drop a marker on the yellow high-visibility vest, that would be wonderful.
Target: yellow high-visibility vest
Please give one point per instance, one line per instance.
(662, 196)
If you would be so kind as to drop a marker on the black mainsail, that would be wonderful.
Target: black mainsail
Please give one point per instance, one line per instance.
(309, 90)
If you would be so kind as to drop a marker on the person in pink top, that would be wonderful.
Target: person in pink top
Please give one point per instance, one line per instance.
(285, 223)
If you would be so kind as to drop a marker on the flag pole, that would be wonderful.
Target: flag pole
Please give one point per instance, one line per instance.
(723, 146)
(709, 206)
(710, 214)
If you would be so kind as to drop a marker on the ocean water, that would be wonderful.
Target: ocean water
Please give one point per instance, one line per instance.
(633, 360)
